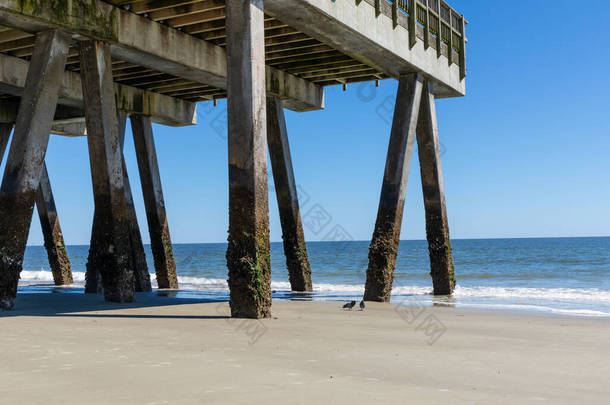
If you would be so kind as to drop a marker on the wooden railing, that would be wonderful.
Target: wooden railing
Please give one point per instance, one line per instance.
(439, 21)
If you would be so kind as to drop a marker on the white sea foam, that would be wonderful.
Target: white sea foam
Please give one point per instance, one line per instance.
(543, 299)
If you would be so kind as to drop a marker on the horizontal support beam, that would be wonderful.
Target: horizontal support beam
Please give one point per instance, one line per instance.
(139, 40)
(372, 39)
(162, 109)
(68, 121)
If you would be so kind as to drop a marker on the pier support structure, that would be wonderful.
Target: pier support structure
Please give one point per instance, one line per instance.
(49, 222)
(248, 258)
(295, 250)
(5, 134)
(414, 117)
(26, 157)
(386, 237)
(111, 242)
(51, 231)
(158, 227)
(140, 267)
(437, 225)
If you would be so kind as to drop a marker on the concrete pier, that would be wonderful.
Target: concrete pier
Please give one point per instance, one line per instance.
(51, 231)
(110, 242)
(295, 250)
(437, 226)
(26, 157)
(140, 267)
(248, 251)
(386, 237)
(158, 227)
(155, 60)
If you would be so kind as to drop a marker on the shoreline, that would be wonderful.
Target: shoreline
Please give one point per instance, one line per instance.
(74, 348)
(561, 302)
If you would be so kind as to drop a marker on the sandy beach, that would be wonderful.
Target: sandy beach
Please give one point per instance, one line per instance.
(70, 348)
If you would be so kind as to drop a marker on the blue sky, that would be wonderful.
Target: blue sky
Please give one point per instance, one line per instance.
(526, 152)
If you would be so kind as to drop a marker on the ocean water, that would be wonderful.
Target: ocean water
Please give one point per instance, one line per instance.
(556, 275)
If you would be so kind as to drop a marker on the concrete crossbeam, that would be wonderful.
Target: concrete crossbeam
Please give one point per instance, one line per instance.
(162, 109)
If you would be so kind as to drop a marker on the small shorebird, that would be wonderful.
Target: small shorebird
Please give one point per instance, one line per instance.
(362, 305)
(349, 305)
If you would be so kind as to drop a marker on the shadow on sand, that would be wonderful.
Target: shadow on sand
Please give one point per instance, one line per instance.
(89, 306)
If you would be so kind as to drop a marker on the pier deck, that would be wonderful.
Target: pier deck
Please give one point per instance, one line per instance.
(308, 44)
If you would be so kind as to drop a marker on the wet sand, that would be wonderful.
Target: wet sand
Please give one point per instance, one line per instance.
(70, 348)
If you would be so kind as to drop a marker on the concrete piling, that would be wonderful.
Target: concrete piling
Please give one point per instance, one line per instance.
(248, 248)
(140, 267)
(386, 237)
(295, 250)
(111, 242)
(26, 156)
(51, 231)
(160, 240)
(5, 134)
(437, 226)
(49, 222)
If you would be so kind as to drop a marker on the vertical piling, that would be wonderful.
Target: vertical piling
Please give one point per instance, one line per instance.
(26, 156)
(110, 245)
(287, 198)
(140, 267)
(386, 237)
(160, 240)
(437, 226)
(248, 250)
(51, 230)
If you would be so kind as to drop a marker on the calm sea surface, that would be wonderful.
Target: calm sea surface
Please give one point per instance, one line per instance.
(558, 275)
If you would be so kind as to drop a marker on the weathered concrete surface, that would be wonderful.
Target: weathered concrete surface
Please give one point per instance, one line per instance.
(295, 249)
(138, 40)
(164, 109)
(111, 242)
(248, 251)
(51, 231)
(26, 157)
(437, 224)
(386, 237)
(160, 240)
(357, 32)
(49, 222)
(5, 134)
(140, 267)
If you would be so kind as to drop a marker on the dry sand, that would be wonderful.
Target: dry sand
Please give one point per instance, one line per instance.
(69, 348)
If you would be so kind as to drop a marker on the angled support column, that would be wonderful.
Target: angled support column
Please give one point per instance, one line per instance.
(111, 242)
(160, 241)
(5, 134)
(437, 225)
(386, 237)
(26, 157)
(248, 250)
(287, 199)
(51, 230)
(140, 267)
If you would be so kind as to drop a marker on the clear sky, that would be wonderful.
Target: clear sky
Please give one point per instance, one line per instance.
(526, 152)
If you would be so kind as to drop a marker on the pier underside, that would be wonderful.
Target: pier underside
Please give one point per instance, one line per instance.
(83, 67)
